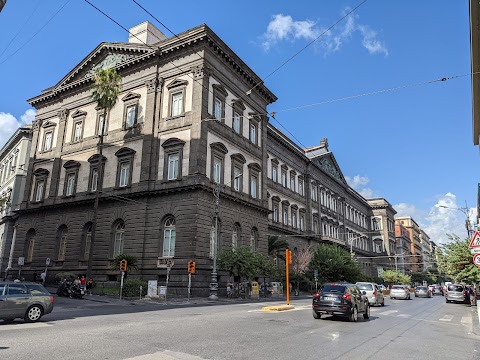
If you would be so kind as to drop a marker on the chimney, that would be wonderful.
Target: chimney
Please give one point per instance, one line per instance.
(145, 33)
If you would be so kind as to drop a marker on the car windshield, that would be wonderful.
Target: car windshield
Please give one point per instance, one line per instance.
(397, 287)
(334, 289)
(365, 286)
(455, 288)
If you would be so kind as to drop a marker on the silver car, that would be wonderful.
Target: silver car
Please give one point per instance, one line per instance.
(455, 292)
(29, 301)
(373, 293)
(400, 292)
(423, 291)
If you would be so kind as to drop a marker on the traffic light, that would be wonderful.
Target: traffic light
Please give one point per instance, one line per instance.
(123, 265)
(288, 256)
(191, 267)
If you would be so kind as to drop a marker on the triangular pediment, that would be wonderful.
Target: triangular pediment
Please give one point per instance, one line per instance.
(329, 165)
(105, 55)
(48, 124)
(176, 83)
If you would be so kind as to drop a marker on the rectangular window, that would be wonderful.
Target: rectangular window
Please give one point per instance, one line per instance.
(77, 131)
(292, 182)
(302, 222)
(218, 109)
(94, 179)
(101, 125)
(173, 166)
(124, 174)
(294, 218)
(253, 186)
(275, 212)
(40, 190)
(300, 187)
(236, 122)
(70, 184)
(31, 246)
(177, 104)
(169, 242)
(47, 144)
(285, 217)
(284, 178)
(274, 174)
(88, 241)
(253, 133)
(131, 119)
(237, 178)
(217, 170)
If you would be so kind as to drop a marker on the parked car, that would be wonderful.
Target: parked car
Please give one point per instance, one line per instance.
(373, 293)
(431, 288)
(400, 292)
(29, 301)
(423, 291)
(456, 293)
(438, 290)
(341, 299)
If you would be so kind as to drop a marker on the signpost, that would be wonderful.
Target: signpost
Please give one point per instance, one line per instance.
(191, 270)
(21, 262)
(315, 276)
(123, 268)
(476, 260)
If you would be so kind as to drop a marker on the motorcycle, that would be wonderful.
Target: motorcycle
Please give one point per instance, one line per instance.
(70, 289)
(77, 291)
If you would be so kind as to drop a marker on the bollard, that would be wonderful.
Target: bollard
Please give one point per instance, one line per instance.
(140, 292)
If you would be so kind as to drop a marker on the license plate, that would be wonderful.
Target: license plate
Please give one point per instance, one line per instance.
(328, 298)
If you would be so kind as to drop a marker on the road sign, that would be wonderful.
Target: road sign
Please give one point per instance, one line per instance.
(21, 261)
(476, 260)
(475, 251)
(475, 243)
(47, 262)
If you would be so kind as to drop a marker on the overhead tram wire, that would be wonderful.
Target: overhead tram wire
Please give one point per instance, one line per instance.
(242, 96)
(38, 31)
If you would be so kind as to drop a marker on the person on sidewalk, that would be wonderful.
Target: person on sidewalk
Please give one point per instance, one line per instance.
(473, 295)
(89, 286)
(43, 276)
(83, 282)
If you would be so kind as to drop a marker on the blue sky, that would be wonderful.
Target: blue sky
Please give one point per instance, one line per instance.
(412, 146)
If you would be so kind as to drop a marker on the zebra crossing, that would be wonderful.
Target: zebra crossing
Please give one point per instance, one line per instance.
(446, 318)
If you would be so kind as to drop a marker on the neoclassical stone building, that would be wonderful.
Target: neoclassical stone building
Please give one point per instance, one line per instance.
(191, 114)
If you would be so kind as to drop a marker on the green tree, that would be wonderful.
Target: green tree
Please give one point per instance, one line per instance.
(334, 263)
(457, 262)
(277, 247)
(301, 264)
(239, 262)
(105, 92)
(392, 277)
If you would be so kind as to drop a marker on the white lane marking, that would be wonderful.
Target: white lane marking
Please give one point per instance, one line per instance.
(403, 315)
(166, 355)
(23, 326)
(389, 312)
(466, 320)
(446, 318)
(334, 336)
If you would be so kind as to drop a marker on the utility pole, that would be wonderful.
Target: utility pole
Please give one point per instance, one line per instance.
(214, 279)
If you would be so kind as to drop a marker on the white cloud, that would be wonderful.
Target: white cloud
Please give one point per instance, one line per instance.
(404, 209)
(285, 28)
(358, 183)
(8, 124)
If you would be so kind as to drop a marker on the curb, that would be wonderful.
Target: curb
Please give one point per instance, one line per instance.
(277, 308)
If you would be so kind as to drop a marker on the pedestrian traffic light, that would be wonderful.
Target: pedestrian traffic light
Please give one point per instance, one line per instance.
(288, 256)
(123, 265)
(191, 267)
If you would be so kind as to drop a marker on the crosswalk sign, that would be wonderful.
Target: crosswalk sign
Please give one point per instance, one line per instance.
(475, 243)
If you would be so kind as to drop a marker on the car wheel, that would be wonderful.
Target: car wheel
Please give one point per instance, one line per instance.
(392, 297)
(447, 301)
(354, 315)
(316, 315)
(34, 313)
(383, 302)
(408, 298)
(366, 315)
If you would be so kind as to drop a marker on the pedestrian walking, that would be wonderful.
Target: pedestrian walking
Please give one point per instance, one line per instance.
(83, 282)
(472, 293)
(43, 276)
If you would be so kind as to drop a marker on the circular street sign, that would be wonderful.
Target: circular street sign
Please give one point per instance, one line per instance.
(476, 260)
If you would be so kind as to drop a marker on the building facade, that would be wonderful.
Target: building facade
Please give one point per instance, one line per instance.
(426, 250)
(416, 256)
(404, 248)
(190, 115)
(13, 172)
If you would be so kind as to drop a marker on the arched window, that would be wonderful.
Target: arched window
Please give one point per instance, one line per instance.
(235, 235)
(254, 240)
(169, 235)
(62, 243)
(30, 242)
(87, 240)
(119, 236)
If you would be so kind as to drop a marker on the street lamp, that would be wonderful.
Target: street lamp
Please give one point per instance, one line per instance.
(214, 279)
(465, 210)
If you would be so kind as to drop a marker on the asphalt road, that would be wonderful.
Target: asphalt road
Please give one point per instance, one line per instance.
(419, 328)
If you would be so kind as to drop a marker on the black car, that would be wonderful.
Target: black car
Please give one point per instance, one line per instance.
(340, 299)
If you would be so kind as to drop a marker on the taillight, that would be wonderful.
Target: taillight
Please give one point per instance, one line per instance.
(316, 296)
(374, 293)
(51, 298)
(347, 297)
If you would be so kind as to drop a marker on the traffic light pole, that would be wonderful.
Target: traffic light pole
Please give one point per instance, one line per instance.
(287, 261)
(189, 285)
(121, 284)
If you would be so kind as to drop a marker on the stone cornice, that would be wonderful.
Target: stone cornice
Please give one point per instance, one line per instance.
(161, 50)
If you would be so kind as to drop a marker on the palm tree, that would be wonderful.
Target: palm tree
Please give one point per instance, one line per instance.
(277, 246)
(132, 263)
(106, 89)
